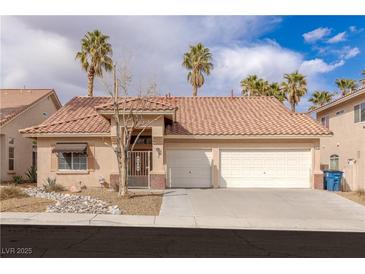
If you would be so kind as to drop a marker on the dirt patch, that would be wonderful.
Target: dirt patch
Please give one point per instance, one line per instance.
(358, 197)
(139, 203)
(9, 192)
(27, 204)
(25, 184)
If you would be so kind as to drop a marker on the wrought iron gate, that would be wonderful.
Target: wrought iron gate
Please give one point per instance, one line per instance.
(139, 167)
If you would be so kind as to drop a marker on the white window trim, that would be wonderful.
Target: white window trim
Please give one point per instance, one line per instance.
(359, 112)
(327, 119)
(74, 170)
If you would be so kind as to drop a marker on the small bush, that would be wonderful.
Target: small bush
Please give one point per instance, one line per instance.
(17, 179)
(11, 192)
(51, 185)
(31, 174)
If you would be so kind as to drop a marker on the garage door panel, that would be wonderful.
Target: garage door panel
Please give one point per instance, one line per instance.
(189, 168)
(265, 168)
(191, 172)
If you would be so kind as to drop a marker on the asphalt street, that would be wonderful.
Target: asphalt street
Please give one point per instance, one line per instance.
(118, 242)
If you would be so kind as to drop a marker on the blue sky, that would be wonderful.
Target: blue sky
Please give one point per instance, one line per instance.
(39, 51)
(290, 34)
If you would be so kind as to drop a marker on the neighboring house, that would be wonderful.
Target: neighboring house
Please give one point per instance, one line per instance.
(345, 117)
(21, 108)
(196, 142)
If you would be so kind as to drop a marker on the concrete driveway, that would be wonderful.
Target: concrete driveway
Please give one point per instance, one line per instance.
(265, 208)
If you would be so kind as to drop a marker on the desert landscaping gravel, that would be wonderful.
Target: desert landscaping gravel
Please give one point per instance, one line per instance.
(68, 203)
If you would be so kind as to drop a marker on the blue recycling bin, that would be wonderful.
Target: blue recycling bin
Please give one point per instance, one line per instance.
(332, 180)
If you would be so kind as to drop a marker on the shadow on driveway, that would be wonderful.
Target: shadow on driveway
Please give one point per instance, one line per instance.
(87, 241)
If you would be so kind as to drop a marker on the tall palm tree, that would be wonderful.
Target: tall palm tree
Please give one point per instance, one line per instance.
(276, 91)
(363, 79)
(199, 62)
(295, 87)
(319, 98)
(249, 85)
(95, 56)
(262, 87)
(346, 86)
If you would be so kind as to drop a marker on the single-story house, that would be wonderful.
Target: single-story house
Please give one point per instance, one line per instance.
(192, 142)
(345, 151)
(20, 108)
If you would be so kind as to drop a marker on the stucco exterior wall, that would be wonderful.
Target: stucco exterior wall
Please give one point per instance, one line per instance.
(105, 162)
(216, 146)
(348, 142)
(23, 146)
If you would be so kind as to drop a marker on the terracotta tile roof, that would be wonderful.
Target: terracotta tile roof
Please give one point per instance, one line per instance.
(77, 116)
(194, 116)
(240, 116)
(142, 104)
(14, 101)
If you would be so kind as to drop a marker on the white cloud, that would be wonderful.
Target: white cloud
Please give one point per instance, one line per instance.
(267, 60)
(316, 34)
(316, 66)
(337, 38)
(42, 52)
(35, 58)
(350, 52)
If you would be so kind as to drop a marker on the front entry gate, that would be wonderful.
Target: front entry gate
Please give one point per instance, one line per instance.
(139, 167)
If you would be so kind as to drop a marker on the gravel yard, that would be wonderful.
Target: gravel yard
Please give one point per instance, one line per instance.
(139, 202)
(91, 200)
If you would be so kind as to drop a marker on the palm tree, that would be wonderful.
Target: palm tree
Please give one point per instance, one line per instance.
(363, 79)
(346, 86)
(276, 91)
(295, 87)
(319, 98)
(262, 87)
(95, 56)
(198, 62)
(249, 85)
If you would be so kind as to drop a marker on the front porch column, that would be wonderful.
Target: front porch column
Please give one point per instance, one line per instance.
(158, 174)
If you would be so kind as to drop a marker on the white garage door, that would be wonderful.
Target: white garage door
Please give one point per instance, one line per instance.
(266, 168)
(189, 168)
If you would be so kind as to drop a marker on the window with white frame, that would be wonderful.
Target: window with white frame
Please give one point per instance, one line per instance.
(334, 162)
(359, 113)
(325, 121)
(11, 154)
(72, 160)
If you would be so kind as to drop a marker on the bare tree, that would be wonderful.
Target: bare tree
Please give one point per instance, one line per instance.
(128, 123)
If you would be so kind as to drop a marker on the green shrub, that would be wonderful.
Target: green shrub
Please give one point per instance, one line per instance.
(11, 192)
(17, 179)
(51, 185)
(32, 174)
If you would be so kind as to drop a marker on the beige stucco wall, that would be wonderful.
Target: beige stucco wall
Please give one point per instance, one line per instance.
(216, 146)
(23, 146)
(105, 162)
(348, 142)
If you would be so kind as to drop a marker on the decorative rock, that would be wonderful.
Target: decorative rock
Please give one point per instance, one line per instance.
(75, 189)
(66, 203)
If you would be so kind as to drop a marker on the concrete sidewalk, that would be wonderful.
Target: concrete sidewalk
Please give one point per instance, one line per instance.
(184, 222)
